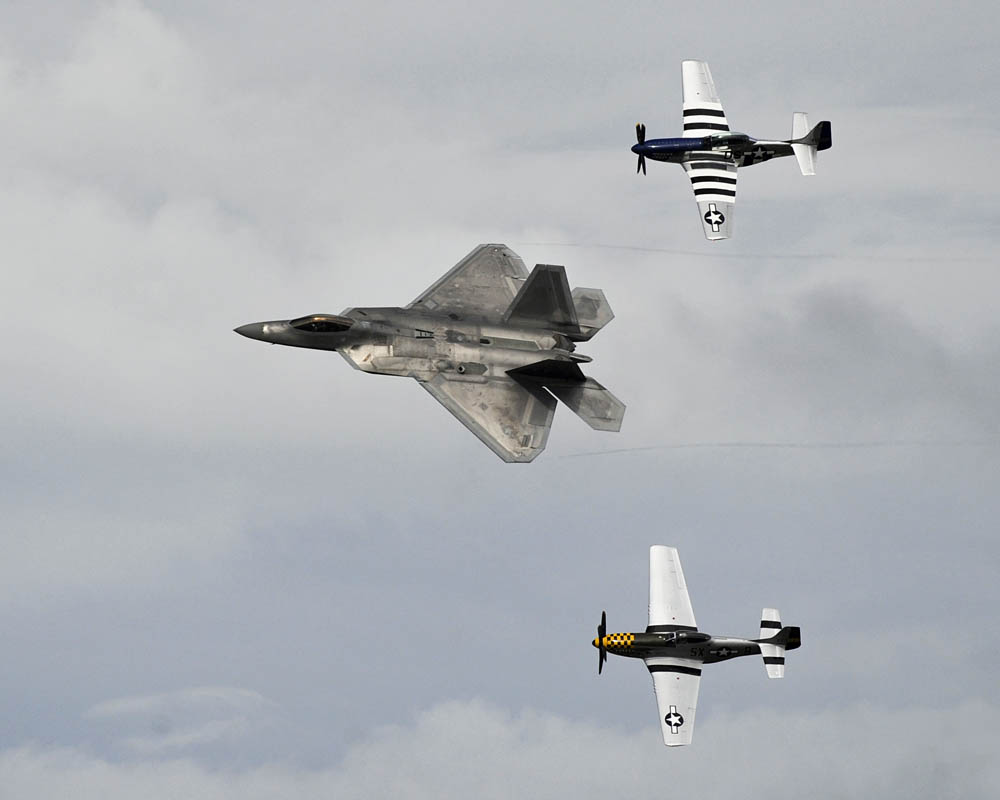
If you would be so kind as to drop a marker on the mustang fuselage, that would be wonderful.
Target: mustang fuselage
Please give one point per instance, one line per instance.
(693, 645)
(744, 150)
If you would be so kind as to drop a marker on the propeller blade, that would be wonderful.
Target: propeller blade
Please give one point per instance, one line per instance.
(602, 631)
(640, 132)
(641, 165)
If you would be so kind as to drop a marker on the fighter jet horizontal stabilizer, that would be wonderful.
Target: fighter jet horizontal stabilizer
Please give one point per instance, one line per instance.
(587, 398)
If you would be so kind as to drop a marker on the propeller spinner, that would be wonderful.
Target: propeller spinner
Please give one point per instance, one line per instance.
(640, 136)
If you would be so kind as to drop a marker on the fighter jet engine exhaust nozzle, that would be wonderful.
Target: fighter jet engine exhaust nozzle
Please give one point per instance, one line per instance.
(602, 653)
(640, 137)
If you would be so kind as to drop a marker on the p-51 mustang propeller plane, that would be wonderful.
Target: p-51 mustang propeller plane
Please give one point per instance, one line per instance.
(493, 344)
(710, 153)
(674, 650)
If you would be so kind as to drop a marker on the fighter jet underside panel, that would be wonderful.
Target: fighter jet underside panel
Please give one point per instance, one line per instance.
(511, 419)
(483, 284)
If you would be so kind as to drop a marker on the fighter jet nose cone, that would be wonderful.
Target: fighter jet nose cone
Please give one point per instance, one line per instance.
(254, 330)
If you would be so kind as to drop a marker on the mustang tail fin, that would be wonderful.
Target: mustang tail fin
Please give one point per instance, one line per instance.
(806, 143)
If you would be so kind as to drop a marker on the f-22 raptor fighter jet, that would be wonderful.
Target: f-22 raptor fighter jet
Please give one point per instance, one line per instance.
(675, 650)
(710, 153)
(493, 344)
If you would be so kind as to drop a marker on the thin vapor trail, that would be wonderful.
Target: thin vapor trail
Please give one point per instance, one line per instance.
(749, 445)
(795, 256)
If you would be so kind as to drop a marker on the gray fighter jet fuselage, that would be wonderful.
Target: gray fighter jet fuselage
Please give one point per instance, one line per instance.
(494, 345)
(398, 341)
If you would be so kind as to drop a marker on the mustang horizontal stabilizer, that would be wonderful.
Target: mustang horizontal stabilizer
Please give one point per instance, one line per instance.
(806, 143)
(544, 301)
(775, 640)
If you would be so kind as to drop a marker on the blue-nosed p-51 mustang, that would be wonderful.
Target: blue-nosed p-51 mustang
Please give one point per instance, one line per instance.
(710, 153)
(674, 650)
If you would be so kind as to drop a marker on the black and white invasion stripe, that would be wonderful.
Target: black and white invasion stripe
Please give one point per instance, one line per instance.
(713, 177)
(704, 118)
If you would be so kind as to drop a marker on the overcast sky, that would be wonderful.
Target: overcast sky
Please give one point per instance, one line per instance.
(232, 570)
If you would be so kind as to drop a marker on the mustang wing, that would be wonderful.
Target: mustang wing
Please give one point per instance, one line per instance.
(713, 178)
(675, 682)
(669, 604)
(703, 114)
(482, 284)
(511, 419)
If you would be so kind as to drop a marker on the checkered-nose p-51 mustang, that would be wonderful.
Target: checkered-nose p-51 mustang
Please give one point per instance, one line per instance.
(674, 650)
(710, 153)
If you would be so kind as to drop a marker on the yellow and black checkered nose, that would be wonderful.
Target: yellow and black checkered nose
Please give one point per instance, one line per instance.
(617, 641)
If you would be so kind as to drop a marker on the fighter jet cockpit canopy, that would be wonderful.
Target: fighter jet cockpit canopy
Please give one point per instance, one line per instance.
(322, 323)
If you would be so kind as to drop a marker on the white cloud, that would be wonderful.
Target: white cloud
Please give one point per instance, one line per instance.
(460, 749)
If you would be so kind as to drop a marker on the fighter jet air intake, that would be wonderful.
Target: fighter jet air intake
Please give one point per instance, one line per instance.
(493, 344)
(674, 650)
(710, 153)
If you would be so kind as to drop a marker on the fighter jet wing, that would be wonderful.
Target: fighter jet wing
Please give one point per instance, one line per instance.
(669, 604)
(713, 178)
(511, 419)
(482, 284)
(675, 682)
